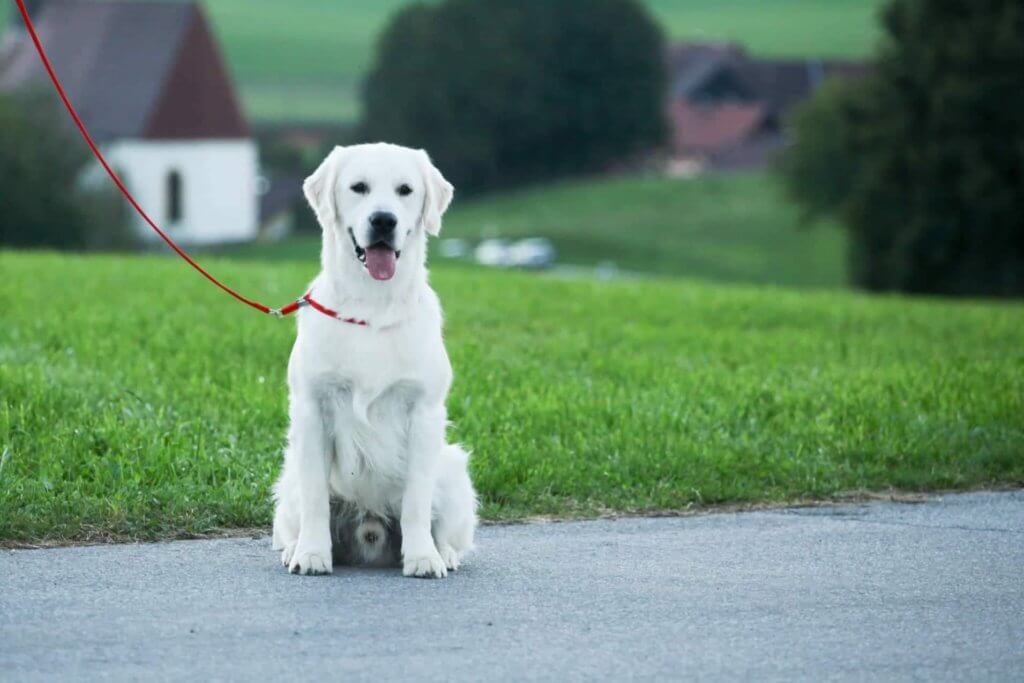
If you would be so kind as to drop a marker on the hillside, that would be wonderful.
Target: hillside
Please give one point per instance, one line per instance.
(321, 48)
(137, 401)
(303, 59)
(728, 228)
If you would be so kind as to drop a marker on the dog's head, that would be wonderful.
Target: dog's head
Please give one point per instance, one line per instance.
(378, 197)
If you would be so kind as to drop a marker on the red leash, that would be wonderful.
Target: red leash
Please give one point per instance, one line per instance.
(263, 308)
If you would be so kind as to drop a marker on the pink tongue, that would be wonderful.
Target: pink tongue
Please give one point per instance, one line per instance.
(380, 261)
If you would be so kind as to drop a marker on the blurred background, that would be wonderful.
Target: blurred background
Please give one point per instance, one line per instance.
(805, 143)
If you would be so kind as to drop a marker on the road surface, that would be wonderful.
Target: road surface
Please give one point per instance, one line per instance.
(874, 591)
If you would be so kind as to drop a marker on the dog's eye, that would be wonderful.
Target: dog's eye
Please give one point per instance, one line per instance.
(360, 188)
(404, 190)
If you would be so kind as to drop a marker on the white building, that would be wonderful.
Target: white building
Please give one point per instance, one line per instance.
(150, 84)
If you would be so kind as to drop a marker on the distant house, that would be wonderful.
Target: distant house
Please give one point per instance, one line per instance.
(728, 109)
(149, 82)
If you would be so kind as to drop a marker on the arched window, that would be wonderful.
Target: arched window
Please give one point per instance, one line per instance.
(174, 196)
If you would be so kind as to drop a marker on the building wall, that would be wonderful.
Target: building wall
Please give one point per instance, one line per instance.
(218, 198)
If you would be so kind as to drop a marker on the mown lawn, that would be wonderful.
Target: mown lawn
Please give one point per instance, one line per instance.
(304, 59)
(779, 28)
(725, 227)
(136, 401)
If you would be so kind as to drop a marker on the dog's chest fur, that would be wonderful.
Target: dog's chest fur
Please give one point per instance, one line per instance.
(369, 435)
(368, 382)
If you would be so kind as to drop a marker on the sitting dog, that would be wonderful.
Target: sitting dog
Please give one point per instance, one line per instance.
(369, 375)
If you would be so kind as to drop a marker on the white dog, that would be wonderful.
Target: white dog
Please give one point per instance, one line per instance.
(369, 375)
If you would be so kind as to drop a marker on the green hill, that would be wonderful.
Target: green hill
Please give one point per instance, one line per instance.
(303, 59)
(730, 228)
(137, 401)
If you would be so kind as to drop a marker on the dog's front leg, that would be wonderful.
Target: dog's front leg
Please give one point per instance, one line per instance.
(308, 455)
(426, 437)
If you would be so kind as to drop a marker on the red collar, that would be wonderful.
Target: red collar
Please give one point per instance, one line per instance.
(308, 300)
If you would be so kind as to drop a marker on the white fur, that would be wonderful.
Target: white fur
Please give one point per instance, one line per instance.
(367, 404)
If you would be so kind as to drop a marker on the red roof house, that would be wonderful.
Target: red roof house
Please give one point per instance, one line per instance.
(149, 81)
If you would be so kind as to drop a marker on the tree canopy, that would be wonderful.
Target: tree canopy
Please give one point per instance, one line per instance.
(504, 92)
(923, 161)
(45, 200)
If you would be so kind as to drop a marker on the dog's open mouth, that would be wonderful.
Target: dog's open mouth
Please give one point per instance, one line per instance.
(380, 260)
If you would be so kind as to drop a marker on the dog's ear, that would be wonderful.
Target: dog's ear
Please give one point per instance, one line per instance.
(319, 188)
(437, 197)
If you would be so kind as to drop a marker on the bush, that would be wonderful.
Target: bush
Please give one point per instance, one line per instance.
(924, 161)
(45, 201)
(506, 92)
(819, 169)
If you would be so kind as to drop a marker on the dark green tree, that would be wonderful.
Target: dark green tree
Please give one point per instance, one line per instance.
(507, 92)
(923, 162)
(45, 201)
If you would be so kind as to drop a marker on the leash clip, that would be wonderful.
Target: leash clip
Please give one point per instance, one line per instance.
(289, 309)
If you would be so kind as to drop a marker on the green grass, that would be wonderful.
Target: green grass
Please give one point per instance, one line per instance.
(301, 102)
(136, 401)
(731, 228)
(776, 28)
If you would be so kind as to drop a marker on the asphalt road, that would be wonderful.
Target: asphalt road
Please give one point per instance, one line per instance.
(877, 591)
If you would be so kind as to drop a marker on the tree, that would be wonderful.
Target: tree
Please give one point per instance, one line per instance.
(924, 160)
(819, 169)
(506, 92)
(45, 201)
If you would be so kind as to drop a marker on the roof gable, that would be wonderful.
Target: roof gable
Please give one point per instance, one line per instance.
(724, 72)
(723, 83)
(197, 99)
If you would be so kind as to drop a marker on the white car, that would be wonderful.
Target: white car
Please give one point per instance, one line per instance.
(532, 252)
(493, 252)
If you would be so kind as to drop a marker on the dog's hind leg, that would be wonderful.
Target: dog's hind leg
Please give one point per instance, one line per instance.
(454, 507)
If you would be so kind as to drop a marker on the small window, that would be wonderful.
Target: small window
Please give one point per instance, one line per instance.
(174, 196)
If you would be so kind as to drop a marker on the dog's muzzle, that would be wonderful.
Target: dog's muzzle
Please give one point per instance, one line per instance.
(381, 258)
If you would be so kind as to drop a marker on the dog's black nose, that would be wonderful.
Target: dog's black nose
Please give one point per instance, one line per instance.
(383, 224)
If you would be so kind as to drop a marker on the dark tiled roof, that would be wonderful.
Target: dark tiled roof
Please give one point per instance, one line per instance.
(779, 83)
(133, 70)
(784, 83)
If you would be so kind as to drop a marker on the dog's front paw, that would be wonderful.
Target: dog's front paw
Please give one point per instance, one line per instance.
(310, 562)
(287, 552)
(428, 566)
(449, 556)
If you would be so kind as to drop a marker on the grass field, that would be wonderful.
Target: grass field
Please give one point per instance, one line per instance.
(136, 401)
(729, 228)
(304, 59)
(779, 28)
